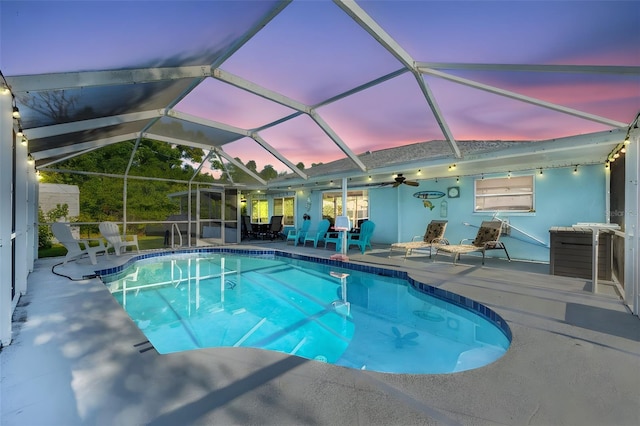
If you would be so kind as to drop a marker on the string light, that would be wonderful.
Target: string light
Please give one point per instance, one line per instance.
(16, 112)
(575, 169)
(509, 175)
(621, 147)
(540, 171)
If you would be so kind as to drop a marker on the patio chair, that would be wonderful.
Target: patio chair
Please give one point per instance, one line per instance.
(335, 236)
(433, 234)
(246, 228)
(76, 248)
(319, 235)
(119, 243)
(274, 229)
(363, 238)
(487, 239)
(297, 235)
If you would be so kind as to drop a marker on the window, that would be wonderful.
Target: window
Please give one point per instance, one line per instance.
(284, 207)
(504, 194)
(259, 211)
(357, 206)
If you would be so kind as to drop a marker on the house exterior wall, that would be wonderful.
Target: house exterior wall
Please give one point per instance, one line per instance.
(562, 198)
(52, 194)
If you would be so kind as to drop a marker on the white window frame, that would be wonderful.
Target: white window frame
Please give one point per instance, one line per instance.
(507, 193)
(279, 209)
(357, 205)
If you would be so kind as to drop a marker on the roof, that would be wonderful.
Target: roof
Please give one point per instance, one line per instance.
(282, 82)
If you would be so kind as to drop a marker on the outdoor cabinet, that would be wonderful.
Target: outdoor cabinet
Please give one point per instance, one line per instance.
(572, 253)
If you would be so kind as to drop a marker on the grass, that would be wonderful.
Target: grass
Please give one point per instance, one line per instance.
(145, 243)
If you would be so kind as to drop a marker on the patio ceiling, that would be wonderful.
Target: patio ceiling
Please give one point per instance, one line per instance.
(367, 88)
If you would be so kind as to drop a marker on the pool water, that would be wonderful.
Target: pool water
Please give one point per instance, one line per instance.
(317, 311)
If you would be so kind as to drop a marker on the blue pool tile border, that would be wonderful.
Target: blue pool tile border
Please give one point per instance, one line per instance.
(454, 298)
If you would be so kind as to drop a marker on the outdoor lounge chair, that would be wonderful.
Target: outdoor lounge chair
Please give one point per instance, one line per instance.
(297, 235)
(76, 248)
(434, 234)
(119, 243)
(487, 239)
(363, 238)
(319, 234)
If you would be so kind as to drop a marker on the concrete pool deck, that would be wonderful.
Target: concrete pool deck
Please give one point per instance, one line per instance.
(77, 359)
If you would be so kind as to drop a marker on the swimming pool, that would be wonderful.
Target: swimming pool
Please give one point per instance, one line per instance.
(350, 315)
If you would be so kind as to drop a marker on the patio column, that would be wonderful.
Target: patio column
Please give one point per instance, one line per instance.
(6, 216)
(632, 220)
(20, 192)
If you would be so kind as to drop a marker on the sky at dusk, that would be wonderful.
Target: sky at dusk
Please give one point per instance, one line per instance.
(312, 51)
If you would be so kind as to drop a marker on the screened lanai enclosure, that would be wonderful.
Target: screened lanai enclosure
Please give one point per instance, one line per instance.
(187, 115)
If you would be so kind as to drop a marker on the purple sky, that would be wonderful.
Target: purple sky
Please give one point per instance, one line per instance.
(312, 50)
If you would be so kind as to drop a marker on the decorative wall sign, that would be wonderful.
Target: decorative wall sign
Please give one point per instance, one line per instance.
(428, 195)
(425, 196)
(453, 192)
(444, 208)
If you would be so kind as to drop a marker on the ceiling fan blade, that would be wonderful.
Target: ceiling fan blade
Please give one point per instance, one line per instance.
(411, 183)
(396, 184)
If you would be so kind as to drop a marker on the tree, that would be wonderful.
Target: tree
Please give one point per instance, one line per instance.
(101, 197)
(268, 172)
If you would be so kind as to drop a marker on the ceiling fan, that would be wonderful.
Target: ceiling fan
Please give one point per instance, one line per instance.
(399, 180)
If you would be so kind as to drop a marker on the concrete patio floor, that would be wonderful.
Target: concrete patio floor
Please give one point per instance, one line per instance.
(77, 359)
